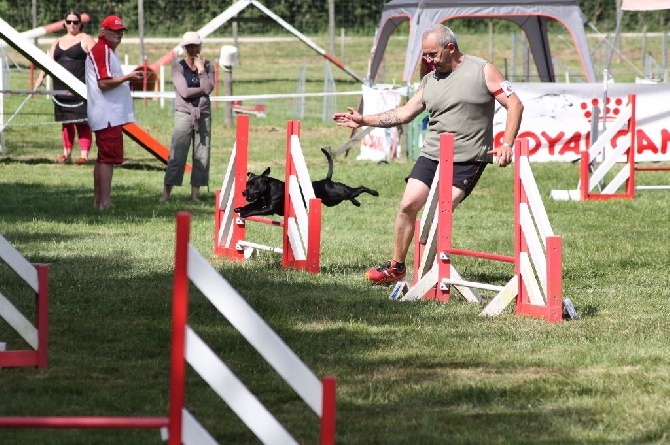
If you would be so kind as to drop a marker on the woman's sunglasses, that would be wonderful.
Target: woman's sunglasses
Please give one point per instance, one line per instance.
(72, 22)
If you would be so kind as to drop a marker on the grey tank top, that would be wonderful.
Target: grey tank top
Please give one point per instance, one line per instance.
(460, 103)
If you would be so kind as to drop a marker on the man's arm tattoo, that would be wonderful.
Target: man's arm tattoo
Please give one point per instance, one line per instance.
(388, 119)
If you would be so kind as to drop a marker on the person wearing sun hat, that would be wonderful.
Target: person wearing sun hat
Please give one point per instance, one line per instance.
(109, 106)
(193, 80)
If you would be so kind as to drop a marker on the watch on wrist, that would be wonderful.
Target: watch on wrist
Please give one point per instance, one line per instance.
(507, 144)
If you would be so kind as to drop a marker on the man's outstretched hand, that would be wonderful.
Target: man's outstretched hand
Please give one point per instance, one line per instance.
(352, 118)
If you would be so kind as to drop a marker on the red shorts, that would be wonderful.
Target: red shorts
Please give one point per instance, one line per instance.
(110, 145)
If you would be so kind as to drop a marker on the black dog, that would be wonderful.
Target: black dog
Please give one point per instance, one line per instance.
(332, 193)
(265, 195)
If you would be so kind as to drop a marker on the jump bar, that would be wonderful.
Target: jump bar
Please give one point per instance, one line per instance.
(484, 255)
(83, 422)
(243, 244)
(472, 284)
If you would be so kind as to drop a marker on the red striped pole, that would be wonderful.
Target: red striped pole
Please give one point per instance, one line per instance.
(292, 129)
(445, 213)
(630, 183)
(42, 315)
(328, 410)
(314, 236)
(179, 318)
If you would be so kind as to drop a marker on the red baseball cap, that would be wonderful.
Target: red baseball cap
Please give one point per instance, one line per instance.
(114, 23)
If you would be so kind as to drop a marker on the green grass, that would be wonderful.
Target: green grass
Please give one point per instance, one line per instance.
(422, 373)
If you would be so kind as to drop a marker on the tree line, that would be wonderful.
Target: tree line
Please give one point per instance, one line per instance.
(173, 17)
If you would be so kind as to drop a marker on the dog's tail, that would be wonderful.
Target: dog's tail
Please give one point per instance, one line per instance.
(325, 151)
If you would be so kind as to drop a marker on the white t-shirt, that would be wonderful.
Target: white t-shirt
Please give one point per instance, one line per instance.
(111, 107)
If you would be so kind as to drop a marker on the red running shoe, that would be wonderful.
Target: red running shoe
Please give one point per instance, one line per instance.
(80, 161)
(388, 273)
(63, 159)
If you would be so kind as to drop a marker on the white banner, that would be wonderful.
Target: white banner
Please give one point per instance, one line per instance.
(644, 5)
(557, 118)
(380, 144)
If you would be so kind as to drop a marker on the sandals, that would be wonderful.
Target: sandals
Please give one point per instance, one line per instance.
(67, 160)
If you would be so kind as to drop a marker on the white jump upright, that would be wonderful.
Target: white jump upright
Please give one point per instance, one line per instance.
(301, 223)
(536, 282)
(188, 347)
(592, 177)
(35, 335)
(596, 165)
(180, 427)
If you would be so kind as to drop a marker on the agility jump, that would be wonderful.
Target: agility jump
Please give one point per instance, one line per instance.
(180, 427)
(37, 335)
(301, 225)
(537, 279)
(592, 176)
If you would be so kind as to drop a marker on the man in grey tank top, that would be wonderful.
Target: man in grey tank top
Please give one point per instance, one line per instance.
(459, 96)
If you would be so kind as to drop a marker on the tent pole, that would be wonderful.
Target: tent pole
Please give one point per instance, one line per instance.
(617, 35)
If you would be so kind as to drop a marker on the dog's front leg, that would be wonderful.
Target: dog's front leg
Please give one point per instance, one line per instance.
(252, 209)
(257, 212)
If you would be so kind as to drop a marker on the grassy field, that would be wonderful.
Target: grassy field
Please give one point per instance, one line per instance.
(420, 373)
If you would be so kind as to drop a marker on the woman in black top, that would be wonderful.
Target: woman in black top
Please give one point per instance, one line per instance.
(71, 51)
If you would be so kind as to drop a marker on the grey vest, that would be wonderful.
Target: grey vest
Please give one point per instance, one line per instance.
(460, 103)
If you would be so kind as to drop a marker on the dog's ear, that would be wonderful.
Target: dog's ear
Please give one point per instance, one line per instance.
(249, 175)
(266, 172)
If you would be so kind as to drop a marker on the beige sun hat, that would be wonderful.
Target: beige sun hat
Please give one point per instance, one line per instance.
(190, 38)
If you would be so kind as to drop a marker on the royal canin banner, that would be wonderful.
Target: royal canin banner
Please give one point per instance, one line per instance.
(557, 118)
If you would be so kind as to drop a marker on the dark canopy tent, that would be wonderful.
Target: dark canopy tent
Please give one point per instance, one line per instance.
(531, 15)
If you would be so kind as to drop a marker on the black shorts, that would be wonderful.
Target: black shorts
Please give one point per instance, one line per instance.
(466, 174)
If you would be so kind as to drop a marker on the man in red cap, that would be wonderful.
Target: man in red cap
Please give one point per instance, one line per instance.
(109, 106)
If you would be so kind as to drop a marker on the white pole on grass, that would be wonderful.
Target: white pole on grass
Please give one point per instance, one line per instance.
(161, 72)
